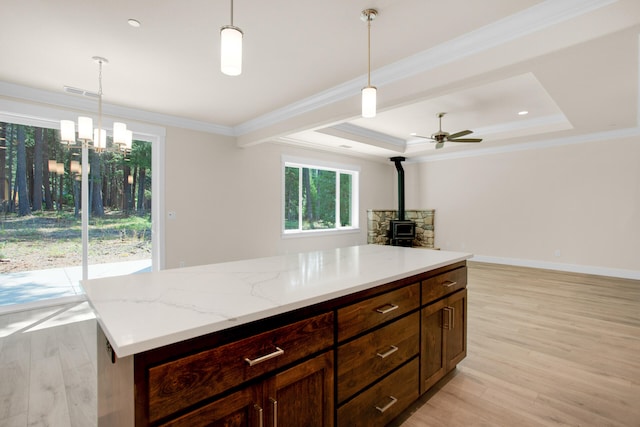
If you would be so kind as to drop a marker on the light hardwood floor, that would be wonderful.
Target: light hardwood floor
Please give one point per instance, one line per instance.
(544, 349)
(48, 367)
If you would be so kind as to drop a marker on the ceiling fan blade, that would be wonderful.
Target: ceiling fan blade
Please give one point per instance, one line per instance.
(421, 136)
(459, 134)
(465, 140)
(439, 145)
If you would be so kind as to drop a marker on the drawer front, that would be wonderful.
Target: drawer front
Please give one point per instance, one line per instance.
(189, 380)
(372, 312)
(384, 401)
(364, 360)
(443, 284)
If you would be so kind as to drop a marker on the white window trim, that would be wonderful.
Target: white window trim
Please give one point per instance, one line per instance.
(338, 168)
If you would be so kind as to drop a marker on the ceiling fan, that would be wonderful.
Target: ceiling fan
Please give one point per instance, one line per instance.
(441, 137)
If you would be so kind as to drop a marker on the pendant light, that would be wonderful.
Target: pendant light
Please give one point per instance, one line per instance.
(231, 48)
(369, 92)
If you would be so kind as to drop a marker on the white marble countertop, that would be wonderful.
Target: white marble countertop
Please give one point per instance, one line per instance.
(144, 311)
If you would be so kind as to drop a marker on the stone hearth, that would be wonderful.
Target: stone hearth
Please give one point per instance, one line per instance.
(378, 225)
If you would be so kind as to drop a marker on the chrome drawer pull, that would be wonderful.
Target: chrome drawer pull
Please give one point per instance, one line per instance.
(278, 352)
(388, 353)
(388, 405)
(259, 410)
(449, 284)
(387, 310)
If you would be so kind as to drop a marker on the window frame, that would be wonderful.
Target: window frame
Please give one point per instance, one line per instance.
(352, 170)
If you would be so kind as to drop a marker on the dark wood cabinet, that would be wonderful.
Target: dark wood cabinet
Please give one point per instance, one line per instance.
(302, 395)
(360, 359)
(299, 396)
(444, 337)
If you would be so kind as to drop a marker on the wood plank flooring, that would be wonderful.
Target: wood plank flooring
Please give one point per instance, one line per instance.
(48, 367)
(544, 349)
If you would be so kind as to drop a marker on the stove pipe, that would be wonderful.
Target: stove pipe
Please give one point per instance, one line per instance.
(397, 161)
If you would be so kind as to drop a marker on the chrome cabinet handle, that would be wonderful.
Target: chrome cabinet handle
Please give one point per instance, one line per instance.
(259, 410)
(449, 284)
(252, 362)
(387, 310)
(388, 353)
(274, 403)
(388, 405)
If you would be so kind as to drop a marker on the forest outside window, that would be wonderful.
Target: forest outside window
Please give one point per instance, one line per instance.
(319, 198)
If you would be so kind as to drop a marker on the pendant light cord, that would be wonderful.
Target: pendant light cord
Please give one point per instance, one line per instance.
(369, 50)
(232, 13)
(99, 142)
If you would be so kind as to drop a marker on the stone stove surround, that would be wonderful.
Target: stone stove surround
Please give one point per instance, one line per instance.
(378, 226)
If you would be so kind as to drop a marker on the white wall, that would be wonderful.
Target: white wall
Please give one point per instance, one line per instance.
(228, 199)
(572, 207)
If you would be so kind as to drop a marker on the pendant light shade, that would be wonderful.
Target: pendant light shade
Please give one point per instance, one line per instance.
(369, 93)
(231, 48)
(119, 133)
(99, 139)
(67, 131)
(369, 102)
(85, 128)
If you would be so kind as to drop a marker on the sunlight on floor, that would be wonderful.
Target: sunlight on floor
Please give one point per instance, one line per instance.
(33, 320)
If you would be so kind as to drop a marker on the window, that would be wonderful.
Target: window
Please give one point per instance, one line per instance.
(319, 197)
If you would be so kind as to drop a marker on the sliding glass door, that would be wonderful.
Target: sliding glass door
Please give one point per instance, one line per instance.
(41, 215)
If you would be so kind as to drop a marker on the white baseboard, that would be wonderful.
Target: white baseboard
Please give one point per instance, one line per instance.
(573, 268)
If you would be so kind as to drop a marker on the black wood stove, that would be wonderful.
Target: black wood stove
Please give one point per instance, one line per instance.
(401, 232)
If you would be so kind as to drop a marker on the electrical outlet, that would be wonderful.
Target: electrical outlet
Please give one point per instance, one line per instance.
(171, 214)
(181, 264)
(557, 253)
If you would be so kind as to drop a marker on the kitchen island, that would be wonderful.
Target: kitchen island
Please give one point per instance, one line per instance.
(279, 338)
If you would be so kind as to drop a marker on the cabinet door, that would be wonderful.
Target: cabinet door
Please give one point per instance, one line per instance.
(433, 362)
(456, 334)
(302, 395)
(240, 409)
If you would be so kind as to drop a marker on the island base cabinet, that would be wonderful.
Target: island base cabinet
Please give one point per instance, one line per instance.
(383, 402)
(299, 396)
(444, 338)
(115, 386)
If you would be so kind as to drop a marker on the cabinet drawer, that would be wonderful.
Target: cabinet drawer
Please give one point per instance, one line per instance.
(384, 401)
(187, 381)
(443, 284)
(372, 312)
(364, 360)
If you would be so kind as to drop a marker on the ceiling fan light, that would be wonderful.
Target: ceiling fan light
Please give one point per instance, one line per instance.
(231, 50)
(369, 94)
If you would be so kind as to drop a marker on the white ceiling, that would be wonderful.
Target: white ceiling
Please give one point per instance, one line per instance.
(573, 64)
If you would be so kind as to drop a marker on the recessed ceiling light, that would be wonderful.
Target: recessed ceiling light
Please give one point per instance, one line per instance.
(413, 134)
(523, 113)
(134, 23)
(345, 146)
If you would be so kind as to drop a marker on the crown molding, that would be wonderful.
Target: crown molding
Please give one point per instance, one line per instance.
(75, 102)
(531, 20)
